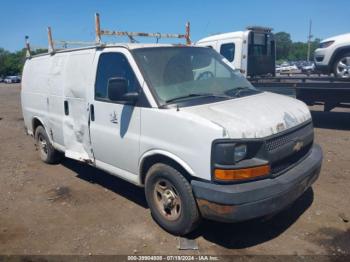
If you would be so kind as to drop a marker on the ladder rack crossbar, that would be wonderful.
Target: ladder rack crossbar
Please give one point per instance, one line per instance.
(155, 35)
(99, 33)
(64, 42)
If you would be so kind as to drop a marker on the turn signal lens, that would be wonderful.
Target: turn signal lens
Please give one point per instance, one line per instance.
(241, 174)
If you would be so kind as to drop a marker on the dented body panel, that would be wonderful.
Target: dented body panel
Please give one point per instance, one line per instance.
(50, 82)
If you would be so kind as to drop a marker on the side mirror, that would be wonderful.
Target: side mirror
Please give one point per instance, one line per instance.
(117, 91)
(117, 87)
(131, 97)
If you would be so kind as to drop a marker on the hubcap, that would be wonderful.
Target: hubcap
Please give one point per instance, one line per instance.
(343, 67)
(42, 146)
(167, 200)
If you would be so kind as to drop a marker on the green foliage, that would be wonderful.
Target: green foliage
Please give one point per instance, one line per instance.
(283, 45)
(12, 63)
(286, 49)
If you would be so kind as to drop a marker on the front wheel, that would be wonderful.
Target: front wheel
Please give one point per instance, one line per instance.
(170, 198)
(342, 66)
(48, 153)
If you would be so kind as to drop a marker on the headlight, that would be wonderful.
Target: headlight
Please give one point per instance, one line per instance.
(237, 161)
(326, 44)
(229, 153)
(240, 152)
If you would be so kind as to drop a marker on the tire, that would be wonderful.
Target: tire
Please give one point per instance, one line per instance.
(338, 68)
(171, 201)
(47, 152)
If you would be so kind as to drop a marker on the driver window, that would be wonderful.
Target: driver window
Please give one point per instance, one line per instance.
(228, 51)
(113, 65)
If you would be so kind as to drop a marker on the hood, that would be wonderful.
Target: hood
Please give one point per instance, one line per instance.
(337, 37)
(254, 116)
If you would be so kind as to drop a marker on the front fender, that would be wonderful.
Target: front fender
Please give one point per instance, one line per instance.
(166, 154)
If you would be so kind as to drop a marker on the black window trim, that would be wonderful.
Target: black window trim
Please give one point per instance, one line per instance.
(234, 50)
(143, 101)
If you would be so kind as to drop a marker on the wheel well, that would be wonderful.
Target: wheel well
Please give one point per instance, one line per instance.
(338, 53)
(36, 123)
(158, 158)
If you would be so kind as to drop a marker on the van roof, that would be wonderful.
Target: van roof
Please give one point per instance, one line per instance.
(129, 46)
(236, 34)
(222, 36)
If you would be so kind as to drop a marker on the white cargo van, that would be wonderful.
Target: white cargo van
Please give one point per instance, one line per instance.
(252, 51)
(176, 120)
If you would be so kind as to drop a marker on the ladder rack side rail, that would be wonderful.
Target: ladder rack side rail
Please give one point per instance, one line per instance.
(157, 35)
(97, 28)
(28, 51)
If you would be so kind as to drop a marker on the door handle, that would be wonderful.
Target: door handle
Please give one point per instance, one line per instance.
(92, 112)
(66, 108)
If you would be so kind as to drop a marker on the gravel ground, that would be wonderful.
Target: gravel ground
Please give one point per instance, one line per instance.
(72, 208)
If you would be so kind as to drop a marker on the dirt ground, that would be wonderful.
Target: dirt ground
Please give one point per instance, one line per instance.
(72, 208)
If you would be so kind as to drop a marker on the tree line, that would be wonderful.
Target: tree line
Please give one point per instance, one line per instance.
(288, 50)
(11, 63)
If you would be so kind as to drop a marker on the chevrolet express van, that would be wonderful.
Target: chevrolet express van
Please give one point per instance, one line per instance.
(179, 121)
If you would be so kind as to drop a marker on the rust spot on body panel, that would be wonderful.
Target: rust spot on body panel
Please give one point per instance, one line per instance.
(210, 209)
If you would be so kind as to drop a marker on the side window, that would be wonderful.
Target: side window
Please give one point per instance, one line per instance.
(228, 51)
(111, 65)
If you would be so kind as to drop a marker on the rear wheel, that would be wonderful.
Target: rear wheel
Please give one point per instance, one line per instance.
(342, 66)
(170, 198)
(46, 151)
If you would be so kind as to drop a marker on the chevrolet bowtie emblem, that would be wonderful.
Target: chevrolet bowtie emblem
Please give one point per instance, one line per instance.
(298, 145)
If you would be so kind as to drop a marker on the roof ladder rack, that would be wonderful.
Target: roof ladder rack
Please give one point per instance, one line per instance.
(51, 48)
(131, 35)
(99, 33)
(28, 52)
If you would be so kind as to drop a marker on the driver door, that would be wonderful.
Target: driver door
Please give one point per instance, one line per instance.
(115, 126)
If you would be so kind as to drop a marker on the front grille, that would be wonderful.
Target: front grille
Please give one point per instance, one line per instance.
(281, 151)
(277, 142)
(285, 163)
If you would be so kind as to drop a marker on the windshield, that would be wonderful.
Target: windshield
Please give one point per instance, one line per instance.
(182, 73)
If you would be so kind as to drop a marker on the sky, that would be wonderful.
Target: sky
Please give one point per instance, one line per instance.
(74, 20)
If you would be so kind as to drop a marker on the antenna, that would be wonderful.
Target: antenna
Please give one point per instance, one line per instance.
(309, 41)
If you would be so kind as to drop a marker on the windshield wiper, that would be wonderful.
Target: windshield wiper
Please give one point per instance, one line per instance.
(237, 91)
(196, 95)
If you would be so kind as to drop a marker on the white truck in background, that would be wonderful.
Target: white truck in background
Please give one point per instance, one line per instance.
(252, 51)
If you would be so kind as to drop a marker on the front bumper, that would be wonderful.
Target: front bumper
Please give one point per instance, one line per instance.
(325, 69)
(238, 202)
(322, 59)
